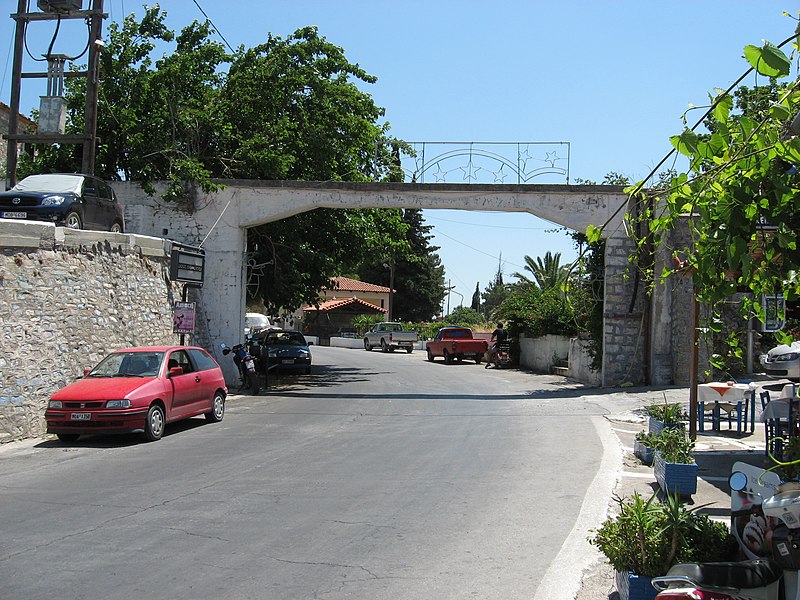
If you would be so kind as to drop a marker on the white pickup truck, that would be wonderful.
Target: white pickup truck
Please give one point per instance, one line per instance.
(389, 336)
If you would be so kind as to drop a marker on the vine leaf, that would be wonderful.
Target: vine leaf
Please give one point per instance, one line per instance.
(686, 142)
(768, 60)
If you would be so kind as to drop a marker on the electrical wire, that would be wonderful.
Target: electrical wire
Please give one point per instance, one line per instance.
(700, 121)
(429, 218)
(219, 33)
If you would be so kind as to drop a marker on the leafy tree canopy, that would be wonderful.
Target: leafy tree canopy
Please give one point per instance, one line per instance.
(419, 274)
(289, 108)
(547, 274)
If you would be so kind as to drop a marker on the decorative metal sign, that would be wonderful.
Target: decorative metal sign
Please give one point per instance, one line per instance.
(488, 162)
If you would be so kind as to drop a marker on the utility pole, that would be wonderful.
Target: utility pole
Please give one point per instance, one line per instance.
(56, 10)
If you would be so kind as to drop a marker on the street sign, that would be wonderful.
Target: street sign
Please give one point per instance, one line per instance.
(188, 264)
(774, 307)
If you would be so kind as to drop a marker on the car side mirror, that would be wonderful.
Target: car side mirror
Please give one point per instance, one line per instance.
(175, 371)
(86, 372)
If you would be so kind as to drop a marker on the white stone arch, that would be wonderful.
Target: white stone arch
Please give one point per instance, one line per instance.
(220, 221)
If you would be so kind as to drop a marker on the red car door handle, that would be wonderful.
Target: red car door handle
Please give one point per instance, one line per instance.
(197, 379)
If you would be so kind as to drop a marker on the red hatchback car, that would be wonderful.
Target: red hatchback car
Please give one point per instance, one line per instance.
(139, 389)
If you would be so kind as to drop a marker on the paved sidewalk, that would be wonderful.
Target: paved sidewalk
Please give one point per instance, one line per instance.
(715, 453)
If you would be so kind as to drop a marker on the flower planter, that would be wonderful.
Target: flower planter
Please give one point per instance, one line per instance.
(656, 426)
(675, 478)
(634, 587)
(642, 452)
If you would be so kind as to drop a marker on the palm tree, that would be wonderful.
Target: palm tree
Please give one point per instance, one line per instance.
(547, 273)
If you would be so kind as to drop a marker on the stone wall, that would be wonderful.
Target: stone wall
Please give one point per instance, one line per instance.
(623, 344)
(66, 299)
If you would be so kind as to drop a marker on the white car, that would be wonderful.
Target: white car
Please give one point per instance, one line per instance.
(783, 361)
(256, 322)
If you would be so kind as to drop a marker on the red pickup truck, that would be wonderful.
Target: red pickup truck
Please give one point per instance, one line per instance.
(456, 343)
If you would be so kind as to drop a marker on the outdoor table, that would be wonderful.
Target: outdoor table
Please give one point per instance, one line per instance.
(779, 409)
(728, 398)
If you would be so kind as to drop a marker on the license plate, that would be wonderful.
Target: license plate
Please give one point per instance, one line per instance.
(15, 215)
(80, 416)
(288, 361)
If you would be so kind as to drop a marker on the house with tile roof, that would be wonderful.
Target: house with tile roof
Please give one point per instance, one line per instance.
(340, 303)
(344, 287)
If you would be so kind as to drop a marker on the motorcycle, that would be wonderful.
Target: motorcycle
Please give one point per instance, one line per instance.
(765, 519)
(501, 356)
(246, 365)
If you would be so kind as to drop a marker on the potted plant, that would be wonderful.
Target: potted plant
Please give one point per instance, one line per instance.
(673, 462)
(643, 447)
(646, 537)
(664, 416)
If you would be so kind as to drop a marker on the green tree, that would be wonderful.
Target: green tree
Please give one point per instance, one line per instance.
(495, 292)
(464, 316)
(547, 273)
(476, 298)
(157, 119)
(296, 111)
(287, 109)
(419, 274)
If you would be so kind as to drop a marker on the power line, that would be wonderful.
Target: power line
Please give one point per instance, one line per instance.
(219, 33)
(427, 217)
(477, 250)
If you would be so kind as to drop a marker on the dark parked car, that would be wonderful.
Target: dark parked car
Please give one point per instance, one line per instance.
(283, 350)
(68, 199)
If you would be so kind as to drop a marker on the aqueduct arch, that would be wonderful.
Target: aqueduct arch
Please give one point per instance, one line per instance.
(221, 219)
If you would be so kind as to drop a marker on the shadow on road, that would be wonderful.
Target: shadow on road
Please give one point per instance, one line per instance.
(121, 440)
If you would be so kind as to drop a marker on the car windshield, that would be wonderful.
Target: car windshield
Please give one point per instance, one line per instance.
(129, 364)
(256, 320)
(50, 183)
(286, 339)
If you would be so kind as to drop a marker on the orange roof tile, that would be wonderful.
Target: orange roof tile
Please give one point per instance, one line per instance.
(335, 303)
(354, 285)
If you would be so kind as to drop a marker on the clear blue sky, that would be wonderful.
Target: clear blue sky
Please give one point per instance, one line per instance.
(611, 78)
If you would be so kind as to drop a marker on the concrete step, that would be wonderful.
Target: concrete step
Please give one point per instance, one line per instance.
(563, 371)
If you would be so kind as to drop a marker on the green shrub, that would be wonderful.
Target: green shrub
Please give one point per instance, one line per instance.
(673, 444)
(672, 414)
(649, 537)
(536, 312)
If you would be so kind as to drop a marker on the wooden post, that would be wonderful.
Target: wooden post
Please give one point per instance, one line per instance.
(92, 89)
(693, 367)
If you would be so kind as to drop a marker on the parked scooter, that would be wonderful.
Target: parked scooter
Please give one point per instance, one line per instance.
(246, 365)
(501, 356)
(765, 519)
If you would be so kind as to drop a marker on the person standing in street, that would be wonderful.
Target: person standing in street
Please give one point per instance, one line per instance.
(499, 336)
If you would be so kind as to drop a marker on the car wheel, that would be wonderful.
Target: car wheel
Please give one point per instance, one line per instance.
(448, 358)
(68, 437)
(409, 349)
(116, 227)
(367, 345)
(154, 425)
(217, 409)
(384, 347)
(430, 355)
(73, 220)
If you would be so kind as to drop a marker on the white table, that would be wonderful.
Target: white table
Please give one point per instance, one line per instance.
(722, 396)
(779, 409)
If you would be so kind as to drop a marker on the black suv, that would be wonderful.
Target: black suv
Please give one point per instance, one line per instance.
(68, 199)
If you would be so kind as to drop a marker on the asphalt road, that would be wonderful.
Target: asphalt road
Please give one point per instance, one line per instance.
(380, 476)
